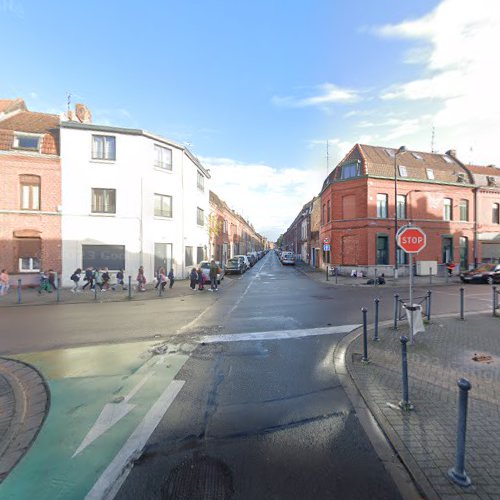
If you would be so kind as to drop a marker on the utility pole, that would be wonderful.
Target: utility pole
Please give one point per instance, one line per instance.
(68, 95)
(432, 139)
(327, 159)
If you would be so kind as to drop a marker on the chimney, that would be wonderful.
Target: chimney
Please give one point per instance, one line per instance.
(452, 152)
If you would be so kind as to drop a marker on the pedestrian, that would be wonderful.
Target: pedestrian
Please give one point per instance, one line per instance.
(141, 280)
(98, 281)
(105, 279)
(120, 280)
(171, 278)
(193, 278)
(44, 283)
(201, 279)
(89, 278)
(450, 266)
(4, 282)
(75, 278)
(52, 279)
(213, 275)
(162, 278)
(158, 276)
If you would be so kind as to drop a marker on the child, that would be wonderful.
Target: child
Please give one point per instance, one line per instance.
(201, 280)
(105, 279)
(89, 278)
(171, 278)
(4, 282)
(141, 280)
(162, 279)
(193, 278)
(44, 283)
(119, 280)
(75, 278)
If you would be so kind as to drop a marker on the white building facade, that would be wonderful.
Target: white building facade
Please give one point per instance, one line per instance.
(130, 198)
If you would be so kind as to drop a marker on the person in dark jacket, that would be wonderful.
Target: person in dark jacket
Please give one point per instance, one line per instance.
(52, 279)
(171, 278)
(201, 280)
(89, 278)
(193, 278)
(213, 275)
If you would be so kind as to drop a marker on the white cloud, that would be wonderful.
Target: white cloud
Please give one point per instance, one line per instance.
(457, 45)
(325, 95)
(267, 197)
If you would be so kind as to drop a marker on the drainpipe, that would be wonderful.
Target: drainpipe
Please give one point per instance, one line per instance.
(476, 243)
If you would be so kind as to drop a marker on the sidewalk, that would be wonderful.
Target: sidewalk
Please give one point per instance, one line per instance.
(30, 296)
(319, 275)
(425, 438)
(24, 403)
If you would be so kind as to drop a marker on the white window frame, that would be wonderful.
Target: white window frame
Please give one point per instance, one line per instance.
(163, 197)
(402, 171)
(104, 156)
(200, 215)
(161, 154)
(31, 269)
(382, 197)
(104, 190)
(401, 197)
(430, 173)
(447, 203)
(20, 135)
(200, 181)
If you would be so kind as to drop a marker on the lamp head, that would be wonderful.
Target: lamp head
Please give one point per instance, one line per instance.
(402, 149)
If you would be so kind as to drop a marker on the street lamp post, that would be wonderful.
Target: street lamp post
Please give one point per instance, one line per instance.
(401, 150)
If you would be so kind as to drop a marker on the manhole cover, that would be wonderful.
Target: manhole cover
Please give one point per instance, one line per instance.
(202, 478)
(482, 358)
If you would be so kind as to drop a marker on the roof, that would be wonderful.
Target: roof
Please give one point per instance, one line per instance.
(485, 176)
(378, 161)
(29, 121)
(9, 105)
(484, 170)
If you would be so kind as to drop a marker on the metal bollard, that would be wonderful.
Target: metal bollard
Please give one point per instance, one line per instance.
(457, 474)
(327, 273)
(365, 337)
(462, 303)
(58, 287)
(375, 336)
(430, 276)
(405, 403)
(429, 304)
(494, 288)
(130, 287)
(159, 289)
(396, 310)
(19, 291)
(336, 274)
(95, 290)
(375, 280)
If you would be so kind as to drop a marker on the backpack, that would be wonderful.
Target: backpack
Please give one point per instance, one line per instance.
(75, 277)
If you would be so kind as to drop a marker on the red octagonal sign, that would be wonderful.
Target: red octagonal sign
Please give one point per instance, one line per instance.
(411, 239)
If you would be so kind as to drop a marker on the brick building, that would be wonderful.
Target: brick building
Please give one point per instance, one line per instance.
(30, 175)
(374, 190)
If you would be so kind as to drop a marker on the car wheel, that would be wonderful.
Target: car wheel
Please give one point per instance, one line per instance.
(490, 280)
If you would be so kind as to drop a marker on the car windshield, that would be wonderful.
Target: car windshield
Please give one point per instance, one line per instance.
(233, 261)
(486, 267)
(205, 265)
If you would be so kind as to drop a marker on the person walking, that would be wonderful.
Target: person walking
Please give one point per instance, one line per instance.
(213, 275)
(171, 278)
(141, 280)
(162, 279)
(4, 282)
(120, 280)
(75, 278)
(193, 278)
(201, 279)
(98, 281)
(105, 279)
(52, 279)
(89, 278)
(44, 283)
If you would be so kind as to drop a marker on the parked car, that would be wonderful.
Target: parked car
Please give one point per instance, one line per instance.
(252, 258)
(235, 266)
(245, 261)
(205, 269)
(288, 258)
(485, 273)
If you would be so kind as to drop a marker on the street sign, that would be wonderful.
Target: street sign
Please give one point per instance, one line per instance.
(326, 248)
(411, 239)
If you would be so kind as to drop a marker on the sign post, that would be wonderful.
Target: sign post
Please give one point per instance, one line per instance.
(411, 239)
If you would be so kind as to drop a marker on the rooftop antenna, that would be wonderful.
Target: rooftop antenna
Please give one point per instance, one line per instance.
(327, 158)
(68, 95)
(432, 139)
(471, 150)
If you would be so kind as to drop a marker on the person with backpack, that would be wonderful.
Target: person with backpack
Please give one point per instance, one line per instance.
(98, 279)
(89, 278)
(44, 283)
(193, 278)
(141, 280)
(213, 276)
(119, 280)
(171, 278)
(105, 279)
(75, 278)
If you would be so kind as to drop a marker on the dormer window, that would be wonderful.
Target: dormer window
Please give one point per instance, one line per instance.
(351, 170)
(416, 156)
(27, 141)
(390, 153)
(402, 171)
(461, 177)
(430, 173)
(491, 180)
(447, 159)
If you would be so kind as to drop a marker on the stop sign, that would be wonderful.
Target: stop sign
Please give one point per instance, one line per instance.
(411, 239)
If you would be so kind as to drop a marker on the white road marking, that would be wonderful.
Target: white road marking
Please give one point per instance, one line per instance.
(109, 416)
(466, 296)
(279, 334)
(112, 478)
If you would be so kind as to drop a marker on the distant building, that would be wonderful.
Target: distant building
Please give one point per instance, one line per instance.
(30, 219)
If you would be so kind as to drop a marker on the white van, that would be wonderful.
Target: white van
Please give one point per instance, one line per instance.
(288, 258)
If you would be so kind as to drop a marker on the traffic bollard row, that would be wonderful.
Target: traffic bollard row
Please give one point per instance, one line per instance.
(375, 335)
(462, 303)
(326, 273)
(365, 336)
(19, 291)
(396, 310)
(405, 404)
(429, 304)
(130, 287)
(495, 300)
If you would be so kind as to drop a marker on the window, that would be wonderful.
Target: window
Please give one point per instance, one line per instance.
(401, 206)
(464, 210)
(30, 192)
(430, 173)
(200, 181)
(200, 254)
(29, 251)
(402, 171)
(447, 159)
(390, 153)
(25, 141)
(463, 242)
(328, 210)
(447, 209)
(163, 205)
(495, 214)
(163, 158)
(323, 211)
(163, 256)
(447, 249)
(103, 201)
(351, 170)
(103, 147)
(417, 156)
(200, 217)
(402, 256)
(382, 206)
(188, 256)
(383, 250)
(29, 265)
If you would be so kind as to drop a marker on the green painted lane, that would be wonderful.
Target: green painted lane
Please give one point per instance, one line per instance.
(82, 381)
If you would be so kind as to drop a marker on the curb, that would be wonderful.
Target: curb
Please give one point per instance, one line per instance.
(32, 402)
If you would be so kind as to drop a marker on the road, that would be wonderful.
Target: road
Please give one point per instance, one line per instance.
(217, 405)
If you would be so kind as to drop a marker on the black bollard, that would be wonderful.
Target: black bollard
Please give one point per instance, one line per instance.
(430, 276)
(129, 287)
(336, 274)
(429, 304)
(327, 273)
(375, 336)
(19, 291)
(365, 337)
(494, 288)
(405, 404)
(462, 303)
(396, 310)
(457, 474)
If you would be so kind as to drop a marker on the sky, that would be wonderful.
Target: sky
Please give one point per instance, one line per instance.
(257, 89)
